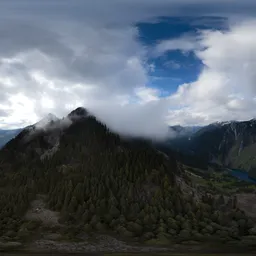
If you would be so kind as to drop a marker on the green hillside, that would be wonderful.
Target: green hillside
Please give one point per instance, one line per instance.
(101, 183)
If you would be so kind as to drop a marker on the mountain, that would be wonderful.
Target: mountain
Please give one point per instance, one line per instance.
(231, 144)
(74, 176)
(47, 120)
(179, 141)
(184, 131)
(6, 135)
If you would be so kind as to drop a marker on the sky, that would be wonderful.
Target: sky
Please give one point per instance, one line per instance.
(137, 65)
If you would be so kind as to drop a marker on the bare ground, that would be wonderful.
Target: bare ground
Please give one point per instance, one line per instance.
(103, 243)
(247, 203)
(38, 211)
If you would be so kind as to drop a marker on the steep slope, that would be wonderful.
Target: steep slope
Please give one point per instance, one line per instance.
(179, 144)
(230, 144)
(180, 138)
(100, 182)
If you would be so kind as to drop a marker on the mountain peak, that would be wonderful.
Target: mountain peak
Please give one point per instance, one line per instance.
(78, 113)
(51, 116)
(48, 119)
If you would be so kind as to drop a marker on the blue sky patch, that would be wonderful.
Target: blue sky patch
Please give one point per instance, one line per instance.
(175, 67)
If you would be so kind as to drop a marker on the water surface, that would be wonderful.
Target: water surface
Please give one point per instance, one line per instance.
(241, 175)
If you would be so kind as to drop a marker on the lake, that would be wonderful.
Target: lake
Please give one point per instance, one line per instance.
(241, 175)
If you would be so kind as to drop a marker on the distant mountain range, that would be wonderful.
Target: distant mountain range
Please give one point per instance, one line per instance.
(231, 144)
(181, 131)
(6, 135)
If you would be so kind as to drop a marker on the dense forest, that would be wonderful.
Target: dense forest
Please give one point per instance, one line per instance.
(100, 182)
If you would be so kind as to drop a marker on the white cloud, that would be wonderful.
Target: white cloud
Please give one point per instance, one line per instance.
(172, 64)
(110, 63)
(225, 89)
(100, 67)
(146, 94)
(147, 119)
(184, 43)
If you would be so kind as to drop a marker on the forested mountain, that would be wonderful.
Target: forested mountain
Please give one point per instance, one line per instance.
(184, 131)
(230, 144)
(101, 182)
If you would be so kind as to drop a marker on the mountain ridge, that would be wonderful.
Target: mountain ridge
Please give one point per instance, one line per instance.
(229, 144)
(192, 142)
(98, 181)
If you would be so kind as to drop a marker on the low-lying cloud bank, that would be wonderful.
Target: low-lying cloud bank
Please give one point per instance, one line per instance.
(146, 120)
